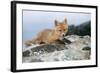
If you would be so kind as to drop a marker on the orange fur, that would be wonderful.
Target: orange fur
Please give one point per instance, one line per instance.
(48, 36)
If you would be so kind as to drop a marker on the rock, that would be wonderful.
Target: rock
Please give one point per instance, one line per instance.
(26, 53)
(72, 38)
(65, 40)
(46, 48)
(83, 39)
(72, 47)
(86, 48)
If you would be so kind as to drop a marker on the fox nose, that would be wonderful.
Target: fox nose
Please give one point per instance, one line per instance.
(63, 35)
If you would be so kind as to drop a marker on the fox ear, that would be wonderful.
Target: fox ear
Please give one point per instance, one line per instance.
(65, 21)
(56, 22)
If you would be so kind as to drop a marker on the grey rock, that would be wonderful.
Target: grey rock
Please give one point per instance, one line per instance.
(72, 47)
(26, 53)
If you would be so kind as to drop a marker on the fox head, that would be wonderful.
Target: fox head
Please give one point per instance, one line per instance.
(61, 28)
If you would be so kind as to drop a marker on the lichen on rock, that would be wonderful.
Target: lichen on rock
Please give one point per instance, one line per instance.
(72, 47)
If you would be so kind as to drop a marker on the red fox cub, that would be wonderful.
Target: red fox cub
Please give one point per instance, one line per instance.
(48, 36)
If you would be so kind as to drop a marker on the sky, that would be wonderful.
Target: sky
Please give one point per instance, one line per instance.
(35, 21)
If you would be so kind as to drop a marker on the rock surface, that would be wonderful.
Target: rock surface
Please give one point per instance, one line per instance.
(72, 47)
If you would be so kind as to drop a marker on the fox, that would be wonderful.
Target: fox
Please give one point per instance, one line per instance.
(49, 36)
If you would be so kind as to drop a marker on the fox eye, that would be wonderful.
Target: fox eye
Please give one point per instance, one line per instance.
(64, 29)
(60, 30)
